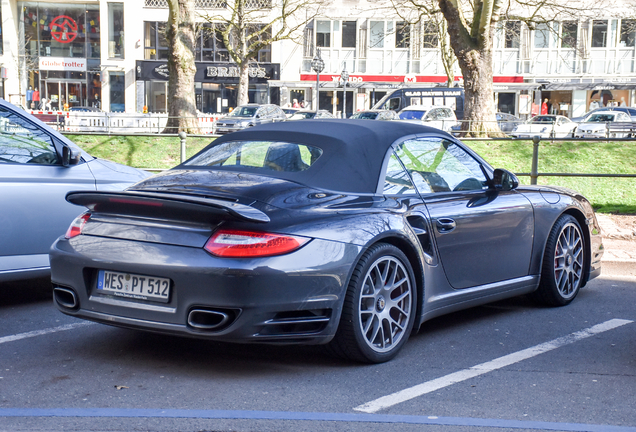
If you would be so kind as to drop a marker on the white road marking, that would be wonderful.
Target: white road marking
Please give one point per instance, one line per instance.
(501, 362)
(35, 333)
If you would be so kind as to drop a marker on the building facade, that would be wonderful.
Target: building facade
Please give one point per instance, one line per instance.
(113, 55)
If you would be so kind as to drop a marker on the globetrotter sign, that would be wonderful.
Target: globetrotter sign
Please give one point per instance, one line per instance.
(63, 29)
(73, 64)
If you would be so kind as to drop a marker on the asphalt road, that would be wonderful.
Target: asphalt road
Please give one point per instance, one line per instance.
(506, 366)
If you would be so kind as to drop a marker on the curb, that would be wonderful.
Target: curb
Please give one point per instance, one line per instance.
(618, 267)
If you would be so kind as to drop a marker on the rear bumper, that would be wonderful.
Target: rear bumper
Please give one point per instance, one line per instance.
(295, 298)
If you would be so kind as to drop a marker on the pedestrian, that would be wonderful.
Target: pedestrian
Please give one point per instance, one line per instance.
(544, 107)
(295, 104)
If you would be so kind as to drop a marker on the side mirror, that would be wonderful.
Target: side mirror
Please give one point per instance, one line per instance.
(70, 156)
(504, 180)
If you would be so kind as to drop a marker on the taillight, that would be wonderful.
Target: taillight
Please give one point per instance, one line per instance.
(77, 225)
(244, 244)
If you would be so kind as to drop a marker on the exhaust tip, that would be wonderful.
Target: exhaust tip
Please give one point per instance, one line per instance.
(203, 319)
(65, 297)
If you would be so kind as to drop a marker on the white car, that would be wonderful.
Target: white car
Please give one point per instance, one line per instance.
(545, 126)
(599, 125)
(434, 116)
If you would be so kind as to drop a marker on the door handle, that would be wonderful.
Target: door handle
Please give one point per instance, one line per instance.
(445, 225)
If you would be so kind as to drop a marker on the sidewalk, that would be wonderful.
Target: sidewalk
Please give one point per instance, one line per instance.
(619, 239)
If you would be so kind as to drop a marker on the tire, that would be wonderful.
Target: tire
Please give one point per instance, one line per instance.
(378, 312)
(563, 263)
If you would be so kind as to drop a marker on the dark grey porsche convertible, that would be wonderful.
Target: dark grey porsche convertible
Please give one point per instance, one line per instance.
(336, 232)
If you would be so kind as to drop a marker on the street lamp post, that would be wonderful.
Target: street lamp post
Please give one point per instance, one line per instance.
(344, 75)
(317, 64)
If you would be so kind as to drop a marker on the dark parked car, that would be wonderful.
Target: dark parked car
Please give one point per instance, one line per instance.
(375, 115)
(310, 114)
(344, 232)
(38, 166)
(245, 116)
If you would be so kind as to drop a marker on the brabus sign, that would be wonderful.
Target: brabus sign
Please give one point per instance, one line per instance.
(234, 72)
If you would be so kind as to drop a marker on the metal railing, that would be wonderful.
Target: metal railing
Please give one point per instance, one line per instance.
(534, 174)
(110, 123)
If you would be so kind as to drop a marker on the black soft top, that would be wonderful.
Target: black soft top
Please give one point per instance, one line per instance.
(353, 150)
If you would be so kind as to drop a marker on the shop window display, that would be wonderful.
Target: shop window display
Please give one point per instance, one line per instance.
(60, 30)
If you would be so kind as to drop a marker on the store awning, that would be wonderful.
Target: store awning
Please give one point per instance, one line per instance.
(589, 86)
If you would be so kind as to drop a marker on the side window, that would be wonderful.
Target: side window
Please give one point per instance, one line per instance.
(22, 142)
(439, 165)
(392, 104)
(397, 181)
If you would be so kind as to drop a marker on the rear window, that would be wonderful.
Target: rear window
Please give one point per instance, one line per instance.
(262, 155)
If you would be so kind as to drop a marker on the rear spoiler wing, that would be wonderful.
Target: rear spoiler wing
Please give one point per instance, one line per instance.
(152, 204)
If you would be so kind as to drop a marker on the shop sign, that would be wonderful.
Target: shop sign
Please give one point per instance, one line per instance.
(234, 72)
(63, 29)
(410, 78)
(162, 70)
(72, 64)
(445, 92)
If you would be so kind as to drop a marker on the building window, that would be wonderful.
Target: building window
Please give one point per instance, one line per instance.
(323, 34)
(568, 34)
(60, 30)
(430, 35)
(1, 37)
(209, 44)
(599, 34)
(117, 91)
(542, 36)
(376, 34)
(264, 54)
(155, 43)
(349, 34)
(512, 34)
(402, 35)
(115, 30)
(628, 33)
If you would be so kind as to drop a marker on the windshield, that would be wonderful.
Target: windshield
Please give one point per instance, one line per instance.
(243, 111)
(365, 115)
(543, 119)
(265, 155)
(411, 115)
(302, 115)
(605, 117)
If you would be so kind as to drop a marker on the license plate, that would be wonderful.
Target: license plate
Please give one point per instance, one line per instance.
(133, 286)
(222, 129)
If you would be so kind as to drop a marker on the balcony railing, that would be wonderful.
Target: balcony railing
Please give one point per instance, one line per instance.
(198, 4)
(398, 63)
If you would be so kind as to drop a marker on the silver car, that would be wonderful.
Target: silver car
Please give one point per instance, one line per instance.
(38, 166)
(249, 115)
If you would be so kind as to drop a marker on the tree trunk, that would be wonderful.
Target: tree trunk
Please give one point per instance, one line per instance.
(473, 49)
(479, 106)
(244, 83)
(180, 34)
